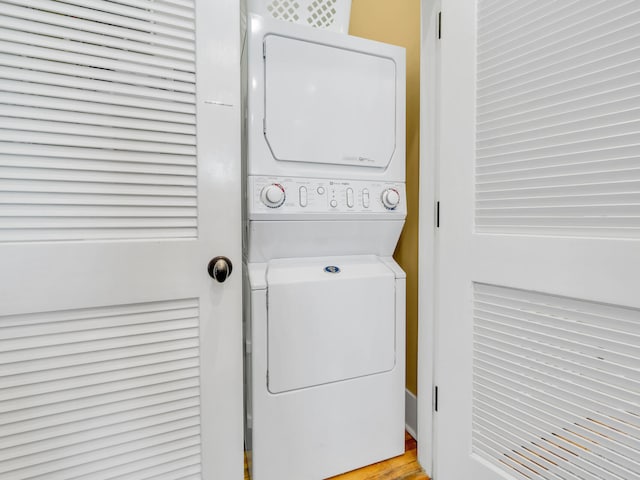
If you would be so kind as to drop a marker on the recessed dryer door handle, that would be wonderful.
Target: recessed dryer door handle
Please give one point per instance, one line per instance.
(220, 268)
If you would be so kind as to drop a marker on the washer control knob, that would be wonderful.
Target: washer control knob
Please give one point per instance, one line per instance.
(390, 198)
(273, 195)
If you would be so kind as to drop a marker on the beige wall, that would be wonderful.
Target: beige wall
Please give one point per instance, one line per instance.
(398, 22)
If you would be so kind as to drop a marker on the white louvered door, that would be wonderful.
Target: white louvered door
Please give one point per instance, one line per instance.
(120, 358)
(538, 347)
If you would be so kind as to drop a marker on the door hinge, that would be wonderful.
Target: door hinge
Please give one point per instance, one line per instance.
(264, 126)
(438, 214)
(264, 50)
(439, 25)
(435, 398)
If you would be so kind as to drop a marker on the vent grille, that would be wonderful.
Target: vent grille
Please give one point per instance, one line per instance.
(284, 10)
(315, 13)
(101, 393)
(558, 109)
(322, 13)
(556, 386)
(97, 134)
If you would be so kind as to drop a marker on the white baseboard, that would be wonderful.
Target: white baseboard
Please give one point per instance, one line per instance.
(411, 413)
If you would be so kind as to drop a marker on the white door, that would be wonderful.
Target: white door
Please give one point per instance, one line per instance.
(120, 357)
(538, 361)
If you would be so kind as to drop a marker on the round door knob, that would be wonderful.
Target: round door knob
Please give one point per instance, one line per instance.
(390, 198)
(220, 268)
(273, 195)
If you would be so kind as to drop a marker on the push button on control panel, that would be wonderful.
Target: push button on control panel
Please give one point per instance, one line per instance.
(350, 197)
(365, 198)
(303, 196)
(333, 203)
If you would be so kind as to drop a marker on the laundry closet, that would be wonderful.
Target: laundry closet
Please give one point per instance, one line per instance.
(325, 204)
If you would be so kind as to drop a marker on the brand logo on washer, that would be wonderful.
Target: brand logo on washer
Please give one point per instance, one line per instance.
(331, 269)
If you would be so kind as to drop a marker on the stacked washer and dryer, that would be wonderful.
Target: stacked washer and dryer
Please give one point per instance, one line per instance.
(325, 205)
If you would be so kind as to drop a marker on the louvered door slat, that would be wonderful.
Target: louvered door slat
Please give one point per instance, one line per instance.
(135, 40)
(179, 3)
(62, 174)
(561, 371)
(102, 13)
(15, 111)
(506, 13)
(86, 441)
(96, 96)
(34, 21)
(101, 82)
(590, 115)
(157, 16)
(75, 128)
(172, 9)
(31, 162)
(18, 136)
(40, 187)
(17, 198)
(10, 43)
(574, 22)
(572, 52)
(135, 62)
(100, 390)
(557, 120)
(117, 112)
(162, 88)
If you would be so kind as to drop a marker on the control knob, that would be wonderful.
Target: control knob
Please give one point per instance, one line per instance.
(273, 195)
(390, 198)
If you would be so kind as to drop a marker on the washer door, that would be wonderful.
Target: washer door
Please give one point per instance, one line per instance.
(325, 104)
(326, 325)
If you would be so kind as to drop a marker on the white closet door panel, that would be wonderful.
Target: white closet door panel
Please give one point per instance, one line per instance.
(112, 335)
(538, 361)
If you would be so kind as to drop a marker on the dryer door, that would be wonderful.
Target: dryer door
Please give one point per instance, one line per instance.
(328, 105)
(325, 327)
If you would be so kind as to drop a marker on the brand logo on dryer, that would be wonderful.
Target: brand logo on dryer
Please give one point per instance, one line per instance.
(332, 269)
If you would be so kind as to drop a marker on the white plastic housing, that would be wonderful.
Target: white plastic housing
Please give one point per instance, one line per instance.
(325, 199)
(317, 98)
(329, 323)
(323, 430)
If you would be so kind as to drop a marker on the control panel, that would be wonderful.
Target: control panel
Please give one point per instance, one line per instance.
(303, 196)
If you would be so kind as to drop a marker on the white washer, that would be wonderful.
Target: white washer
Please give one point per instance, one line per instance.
(325, 205)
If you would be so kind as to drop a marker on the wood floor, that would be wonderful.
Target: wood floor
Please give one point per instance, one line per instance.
(404, 467)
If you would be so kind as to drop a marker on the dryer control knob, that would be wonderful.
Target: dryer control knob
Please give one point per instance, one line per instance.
(273, 195)
(390, 198)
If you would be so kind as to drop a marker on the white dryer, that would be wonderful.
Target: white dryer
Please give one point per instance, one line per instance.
(325, 205)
